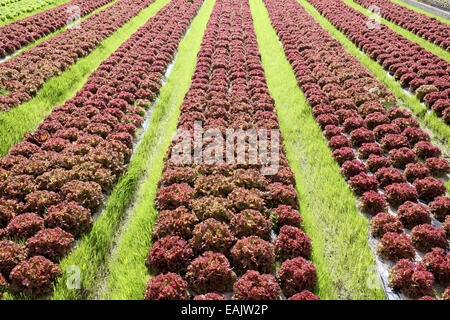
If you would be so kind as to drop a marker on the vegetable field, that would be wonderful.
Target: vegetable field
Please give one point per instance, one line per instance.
(224, 150)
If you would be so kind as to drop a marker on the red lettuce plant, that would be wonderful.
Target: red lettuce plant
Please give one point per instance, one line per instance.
(168, 286)
(253, 253)
(411, 279)
(304, 295)
(69, 216)
(425, 237)
(214, 185)
(352, 168)
(440, 207)
(362, 183)
(398, 193)
(339, 141)
(401, 157)
(394, 141)
(395, 246)
(255, 286)
(368, 149)
(343, 154)
(211, 235)
(292, 242)
(210, 272)
(251, 222)
(375, 162)
(278, 194)
(88, 194)
(34, 277)
(412, 214)
(178, 222)
(25, 225)
(415, 171)
(50, 243)
(212, 207)
(11, 254)
(438, 263)
(285, 215)
(372, 202)
(360, 136)
(210, 296)
(429, 188)
(437, 166)
(387, 176)
(169, 254)
(384, 222)
(296, 275)
(242, 199)
(174, 196)
(425, 149)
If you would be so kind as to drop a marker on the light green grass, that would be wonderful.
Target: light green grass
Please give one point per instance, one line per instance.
(127, 272)
(421, 11)
(26, 117)
(339, 232)
(440, 130)
(440, 52)
(31, 12)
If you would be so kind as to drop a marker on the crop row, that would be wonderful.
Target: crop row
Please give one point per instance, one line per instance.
(51, 183)
(385, 157)
(18, 34)
(213, 234)
(423, 72)
(12, 8)
(424, 26)
(24, 75)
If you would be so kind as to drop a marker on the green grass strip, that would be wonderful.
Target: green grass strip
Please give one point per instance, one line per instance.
(432, 15)
(27, 116)
(30, 13)
(440, 130)
(127, 272)
(440, 52)
(339, 232)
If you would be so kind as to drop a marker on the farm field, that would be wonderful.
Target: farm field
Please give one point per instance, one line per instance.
(224, 150)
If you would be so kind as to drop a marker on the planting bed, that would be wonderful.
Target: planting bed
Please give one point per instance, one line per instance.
(223, 150)
(216, 218)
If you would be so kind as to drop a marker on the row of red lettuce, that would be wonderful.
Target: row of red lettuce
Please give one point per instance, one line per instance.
(213, 234)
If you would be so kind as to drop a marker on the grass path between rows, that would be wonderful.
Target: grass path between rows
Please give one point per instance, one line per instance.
(32, 12)
(435, 49)
(339, 233)
(440, 131)
(125, 271)
(432, 15)
(27, 116)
